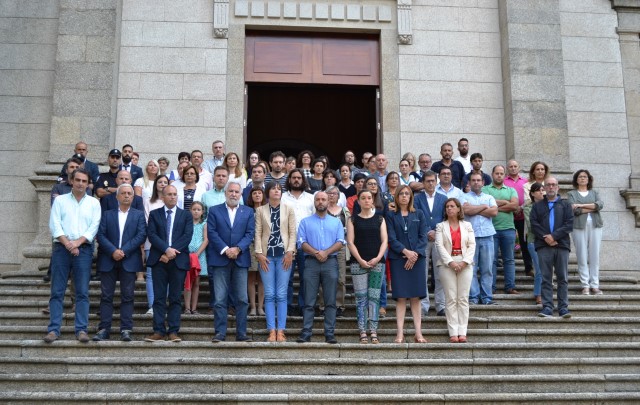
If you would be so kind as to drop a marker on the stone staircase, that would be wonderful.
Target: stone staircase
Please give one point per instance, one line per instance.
(513, 356)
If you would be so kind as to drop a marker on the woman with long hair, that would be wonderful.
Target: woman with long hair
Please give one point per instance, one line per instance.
(367, 241)
(143, 187)
(538, 172)
(407, 248)
(392, 181)
(304, 160)
(236, 173)
(275, 245)
(456, 246)
(252, 160)
(587, 230)
(256, 199)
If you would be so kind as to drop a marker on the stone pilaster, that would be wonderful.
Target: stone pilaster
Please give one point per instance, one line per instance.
(84, 86)
(629, 33)
(533, 83)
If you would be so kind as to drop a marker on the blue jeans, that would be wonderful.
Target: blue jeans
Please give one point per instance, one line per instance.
(505, 241)
(316, 273)
(230, 281)
(167, 275)
(276, 282)
(552, 258)
(299, 264)
(537, 278)
(149, 282)
(63, 263)
(108, 281)
(481, 291)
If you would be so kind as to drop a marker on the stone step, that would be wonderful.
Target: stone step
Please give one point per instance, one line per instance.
(351, 335)
(262, 350)
(333, 384)
(352, 366)
(88, 397)
(142, 321)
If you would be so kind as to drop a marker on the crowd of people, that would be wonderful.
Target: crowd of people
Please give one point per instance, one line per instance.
(246, 227)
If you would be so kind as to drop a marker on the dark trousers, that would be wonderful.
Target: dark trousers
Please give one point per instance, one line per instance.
(526, 256)
(554, 260)
(315, 274)
(167, 275)
(108, 281)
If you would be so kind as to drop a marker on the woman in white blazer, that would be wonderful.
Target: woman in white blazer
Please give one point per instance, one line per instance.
(456, 246)
(275, 246)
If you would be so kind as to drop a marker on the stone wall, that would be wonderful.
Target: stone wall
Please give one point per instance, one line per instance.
(450, 79)
(172, 78)
(28, 37)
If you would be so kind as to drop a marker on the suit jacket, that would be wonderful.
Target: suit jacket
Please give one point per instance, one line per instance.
(443, 242)
(110, 202)
(89, 166)
(432, 218)
(181, 236)
(562, 224)
(287, 228)
(134, 235)
(221, 234)
(417, 233)
(136, 172)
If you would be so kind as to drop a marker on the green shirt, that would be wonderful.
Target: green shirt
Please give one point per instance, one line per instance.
(504, 220)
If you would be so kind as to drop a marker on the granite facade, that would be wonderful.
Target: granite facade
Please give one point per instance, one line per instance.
(552, 80)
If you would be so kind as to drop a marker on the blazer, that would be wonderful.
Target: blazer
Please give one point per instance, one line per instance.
(221, 234)
(562, 224)
(197, 196)
(136, 173)
(110, 202)
(443, 242)
(263, 228)
(432, 218)
(133, 235)
(417, 233)
(181, 236)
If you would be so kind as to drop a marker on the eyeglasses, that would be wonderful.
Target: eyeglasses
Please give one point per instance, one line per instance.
(404, 193)
(551, 185)
(372, 184)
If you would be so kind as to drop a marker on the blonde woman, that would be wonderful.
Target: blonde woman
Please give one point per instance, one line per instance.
(143, 187)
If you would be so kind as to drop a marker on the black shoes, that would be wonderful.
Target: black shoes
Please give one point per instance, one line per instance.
(102, 334)
(125, 336)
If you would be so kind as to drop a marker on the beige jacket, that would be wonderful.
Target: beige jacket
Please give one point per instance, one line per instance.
(443, 242)
(263, 228)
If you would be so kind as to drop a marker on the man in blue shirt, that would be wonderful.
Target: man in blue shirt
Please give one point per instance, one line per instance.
(320, 236)
(479, 209)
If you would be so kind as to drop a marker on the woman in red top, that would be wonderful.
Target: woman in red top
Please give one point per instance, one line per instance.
(456, 246)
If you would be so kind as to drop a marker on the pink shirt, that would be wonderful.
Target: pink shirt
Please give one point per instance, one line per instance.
(518, 185)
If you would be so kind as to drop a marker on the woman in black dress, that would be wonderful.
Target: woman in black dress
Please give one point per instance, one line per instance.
(407, 246)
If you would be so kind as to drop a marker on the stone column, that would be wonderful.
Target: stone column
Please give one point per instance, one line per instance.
(629, 32)
(533, 83)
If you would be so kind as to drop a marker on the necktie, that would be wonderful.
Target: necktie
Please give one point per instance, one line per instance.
(169, 226)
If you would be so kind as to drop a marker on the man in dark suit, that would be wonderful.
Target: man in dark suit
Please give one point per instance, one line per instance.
(110, 202)
(120, 235)
(127, 155)
(80, 151)
(230, 228)
(432, 206)
(170, 230)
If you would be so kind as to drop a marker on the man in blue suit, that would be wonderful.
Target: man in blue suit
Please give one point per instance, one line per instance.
(170, 230)
(230, 228)
(127, 155)
(110, 202)
(432, 206)
(120, 235)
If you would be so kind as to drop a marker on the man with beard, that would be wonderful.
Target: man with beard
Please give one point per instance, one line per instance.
(320, 237)
(127, 164)
(277, 173)
(230, 229)
(106, 183)
(463, 149)
(552, 223)
(457, 170)
(504, 239)
(302, 203)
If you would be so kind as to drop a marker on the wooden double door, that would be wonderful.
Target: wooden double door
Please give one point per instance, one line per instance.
(312, 91)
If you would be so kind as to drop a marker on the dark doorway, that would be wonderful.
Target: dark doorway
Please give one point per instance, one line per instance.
(326, 119)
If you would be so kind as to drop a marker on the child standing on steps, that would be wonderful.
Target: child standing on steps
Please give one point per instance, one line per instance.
(198, 258)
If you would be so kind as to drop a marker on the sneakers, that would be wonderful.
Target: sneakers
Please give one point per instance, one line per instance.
(50, 337)
(564, 313)
(83, 337)
(545, 313)
(150, 311)
(102, 334)
(125, 336)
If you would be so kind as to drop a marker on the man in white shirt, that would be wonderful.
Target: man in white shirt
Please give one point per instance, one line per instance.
(463, 149)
